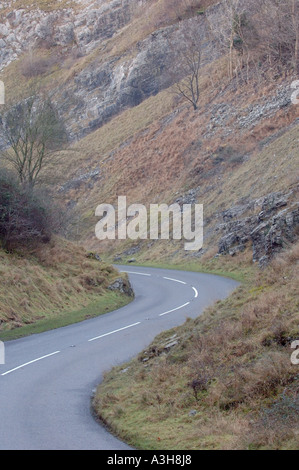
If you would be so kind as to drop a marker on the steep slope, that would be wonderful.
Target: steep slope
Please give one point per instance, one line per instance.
(236, 154)
(55, 285)
(108, 65)
(98, 58)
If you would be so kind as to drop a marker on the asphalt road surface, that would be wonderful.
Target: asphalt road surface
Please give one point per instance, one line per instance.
(48, 379)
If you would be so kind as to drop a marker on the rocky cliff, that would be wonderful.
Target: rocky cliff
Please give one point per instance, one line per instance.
(112, 65)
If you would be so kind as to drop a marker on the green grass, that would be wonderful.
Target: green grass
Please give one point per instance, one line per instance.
(224, 266)
(106, 303)
(239, 275)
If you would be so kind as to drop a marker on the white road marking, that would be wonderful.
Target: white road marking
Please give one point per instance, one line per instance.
(174, 280)
(174, 309)
(115, 331)
(196, 292)
(30, 362)
(139, 274)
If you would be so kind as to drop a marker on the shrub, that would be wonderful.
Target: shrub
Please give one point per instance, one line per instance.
(26, 215)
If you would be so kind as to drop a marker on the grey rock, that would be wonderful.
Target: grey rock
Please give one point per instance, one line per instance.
(273, 228)
(94, 256)
(170, 345)
(122, 286)
(189, 198)
(86, 178)
(105, 86)
(132, 251)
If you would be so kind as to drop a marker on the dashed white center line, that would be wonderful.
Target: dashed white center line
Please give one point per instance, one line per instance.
(30, 362)
(115, 331)
(196, 292)
(175, 280)
(174, 309)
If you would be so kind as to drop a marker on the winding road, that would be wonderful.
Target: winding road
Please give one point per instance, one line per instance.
(47, 381)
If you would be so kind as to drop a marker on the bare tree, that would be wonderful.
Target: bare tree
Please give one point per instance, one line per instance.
(277, 24)
(228, 29)
(186, 56)
(257, 31)
(31, 132)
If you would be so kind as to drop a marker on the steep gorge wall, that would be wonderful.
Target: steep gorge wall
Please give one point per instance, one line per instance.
(105, 82)
(23, 28)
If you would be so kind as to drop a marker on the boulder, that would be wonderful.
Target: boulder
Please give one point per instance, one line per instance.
(123, 286)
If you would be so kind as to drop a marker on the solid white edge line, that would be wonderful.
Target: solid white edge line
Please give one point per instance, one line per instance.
(30, 362)
(196, 292)
(115, 331)
(174, 280)
(174, 309)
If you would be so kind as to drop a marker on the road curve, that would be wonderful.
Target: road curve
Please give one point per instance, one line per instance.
(47, 381)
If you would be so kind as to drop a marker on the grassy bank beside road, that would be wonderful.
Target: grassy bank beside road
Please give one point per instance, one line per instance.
(53, 286)
(227, 382)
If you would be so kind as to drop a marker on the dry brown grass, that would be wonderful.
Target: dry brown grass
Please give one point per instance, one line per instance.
(167, 159)
(45, 5)
(162, 148)
(50, 280)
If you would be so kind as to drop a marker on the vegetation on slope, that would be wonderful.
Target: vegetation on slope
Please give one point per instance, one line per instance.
(53, 285)
(45, 5)
(163, 159)
(228, 383)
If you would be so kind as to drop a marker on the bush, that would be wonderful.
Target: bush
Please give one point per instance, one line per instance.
(26, 215)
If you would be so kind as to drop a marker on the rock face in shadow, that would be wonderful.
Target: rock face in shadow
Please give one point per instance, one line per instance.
(106, 88)
(270, 224)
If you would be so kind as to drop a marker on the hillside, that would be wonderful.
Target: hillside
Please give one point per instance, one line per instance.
(113, 90)
(55, 285)
(114, 70)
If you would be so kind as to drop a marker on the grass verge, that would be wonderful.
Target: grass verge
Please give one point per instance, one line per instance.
(239, 276)
(106, 303)
(208, 264)
(54, 285)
